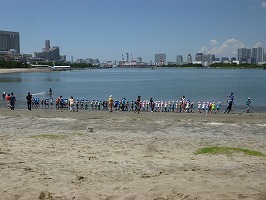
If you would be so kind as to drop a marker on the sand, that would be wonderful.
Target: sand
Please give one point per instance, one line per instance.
(22, 70)
(123, 155)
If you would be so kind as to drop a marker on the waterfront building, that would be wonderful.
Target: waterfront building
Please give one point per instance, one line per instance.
(160, 58)
(233, 59)
(250, 55)
(179, 60)
(49, 53)
(92, 61)
(224, 60)
(139, 59)
(199, 56)
(189, 58)
(207, 59)
(9, 41)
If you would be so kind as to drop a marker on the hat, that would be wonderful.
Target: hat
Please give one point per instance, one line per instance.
(249, 98)
(110, 96)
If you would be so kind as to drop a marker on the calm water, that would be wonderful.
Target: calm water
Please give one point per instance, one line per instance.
(161, 84)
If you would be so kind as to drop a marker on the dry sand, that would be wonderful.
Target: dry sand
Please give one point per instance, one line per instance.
(129, 156)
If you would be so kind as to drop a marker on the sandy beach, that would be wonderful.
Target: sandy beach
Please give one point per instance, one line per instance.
(100, 155)
(22, 70)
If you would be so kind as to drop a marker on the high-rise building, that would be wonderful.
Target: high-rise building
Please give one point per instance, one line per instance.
(49, 53)
(47, 45)
(189, 58)
(179, 60)
(199, 56)
(9, 41)
(160, 58)
(139, 59)
(208, 59)
(253, 56)
(224, 60)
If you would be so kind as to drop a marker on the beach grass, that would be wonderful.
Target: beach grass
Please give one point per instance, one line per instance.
(229, 151)
(49, 136)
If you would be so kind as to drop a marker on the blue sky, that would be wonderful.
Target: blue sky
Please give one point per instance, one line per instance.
(106, 29)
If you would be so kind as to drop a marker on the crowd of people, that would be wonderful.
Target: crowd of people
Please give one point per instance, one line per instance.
(182, 105)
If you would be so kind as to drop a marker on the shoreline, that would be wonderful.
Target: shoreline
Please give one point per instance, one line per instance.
(22, 70)
(31, 70)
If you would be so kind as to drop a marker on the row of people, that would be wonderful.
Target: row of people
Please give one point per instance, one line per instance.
(182, 105)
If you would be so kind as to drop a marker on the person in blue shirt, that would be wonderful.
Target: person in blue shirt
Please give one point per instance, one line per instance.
(229, 107)
(248, 103)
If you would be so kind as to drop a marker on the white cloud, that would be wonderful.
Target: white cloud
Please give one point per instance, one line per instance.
(258, 45)
(263, 4)
(229, 47)
(204, 50)
(213, 42)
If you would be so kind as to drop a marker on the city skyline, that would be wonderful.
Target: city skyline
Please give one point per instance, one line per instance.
(106, 30)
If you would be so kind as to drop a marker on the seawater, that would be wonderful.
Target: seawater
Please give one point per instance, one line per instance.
(164, 84)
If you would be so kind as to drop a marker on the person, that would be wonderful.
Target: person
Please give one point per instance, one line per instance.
(248, 103)
(111, 102)
(4, 95)
(50, 93)
(231, 97)
(8, 100)
(213, 108)
(229, 107)
(218, 107)
(71, 103)
(152, 104)
(29, 97)
(138, 104)
(12, 101)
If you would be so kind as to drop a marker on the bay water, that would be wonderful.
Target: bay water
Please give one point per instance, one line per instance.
(163, 84)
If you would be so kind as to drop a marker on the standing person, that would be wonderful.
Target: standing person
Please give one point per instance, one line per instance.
(4, 95)
(152, 104)
(218, 107)
(231, 97)
(229, 107)
(12, 101)
(248, 103)
(50, 93)
(138, 104)
(29, 97)
(71, 103)
(8, 100)
(110, 103)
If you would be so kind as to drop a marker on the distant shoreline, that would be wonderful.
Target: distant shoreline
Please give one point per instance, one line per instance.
(22, 70)
(31, 70)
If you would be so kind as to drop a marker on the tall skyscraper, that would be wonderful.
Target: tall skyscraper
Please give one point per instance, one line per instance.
(199, 56)
(253, 56)
(160, 58)
(179, 60)
(52, 54)
(189, 58)
(47, 45)
(9, 40)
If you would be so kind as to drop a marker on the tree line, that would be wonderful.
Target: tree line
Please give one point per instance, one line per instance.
(15, 64)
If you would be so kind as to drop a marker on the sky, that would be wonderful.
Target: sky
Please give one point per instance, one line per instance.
(106, 29)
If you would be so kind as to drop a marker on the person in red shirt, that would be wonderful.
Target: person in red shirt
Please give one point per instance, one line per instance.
(8, 100)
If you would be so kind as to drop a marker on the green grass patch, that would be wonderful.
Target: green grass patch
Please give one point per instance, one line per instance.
(228, 151)
(49, 136)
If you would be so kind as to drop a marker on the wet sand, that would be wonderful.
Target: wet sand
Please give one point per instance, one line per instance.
(123, 155)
